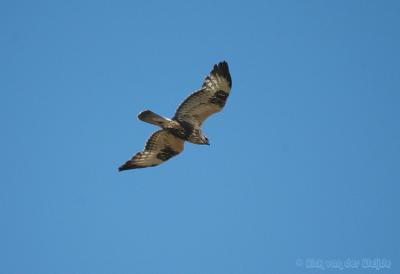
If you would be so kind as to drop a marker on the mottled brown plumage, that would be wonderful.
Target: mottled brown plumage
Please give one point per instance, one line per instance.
(186, 123)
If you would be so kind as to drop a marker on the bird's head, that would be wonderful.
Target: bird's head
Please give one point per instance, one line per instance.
(204, 140)
(199, 138)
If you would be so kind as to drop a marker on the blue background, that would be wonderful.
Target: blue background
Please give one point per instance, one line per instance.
(303, 163)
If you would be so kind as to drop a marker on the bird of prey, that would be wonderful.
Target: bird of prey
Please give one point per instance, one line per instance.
(186, 123)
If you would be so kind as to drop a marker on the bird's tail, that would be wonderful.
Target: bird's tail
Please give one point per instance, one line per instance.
(150, 117)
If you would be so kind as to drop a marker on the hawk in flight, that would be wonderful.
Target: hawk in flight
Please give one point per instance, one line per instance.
(186, 124)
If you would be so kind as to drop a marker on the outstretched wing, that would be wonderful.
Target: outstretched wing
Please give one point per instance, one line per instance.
(160, 147)
(211, 98)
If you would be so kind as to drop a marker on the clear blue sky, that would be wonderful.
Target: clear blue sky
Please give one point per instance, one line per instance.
(303, 163)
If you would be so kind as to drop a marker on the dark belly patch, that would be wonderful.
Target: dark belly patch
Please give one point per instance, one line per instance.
(187, 128)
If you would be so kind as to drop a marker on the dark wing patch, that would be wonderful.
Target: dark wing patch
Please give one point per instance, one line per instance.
(219, 98)
(160, 147)
(211, 98)
(166, 153)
